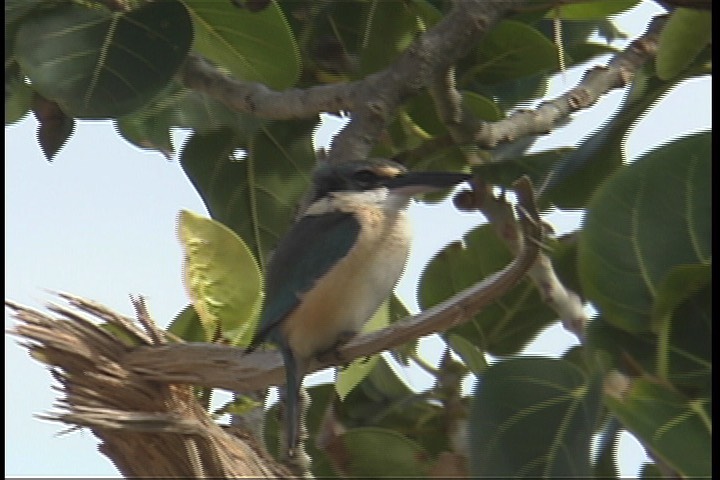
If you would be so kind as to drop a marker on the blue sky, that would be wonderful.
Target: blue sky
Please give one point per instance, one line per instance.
(100, 222)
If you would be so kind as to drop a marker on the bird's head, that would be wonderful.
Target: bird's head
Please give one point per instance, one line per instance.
(379, 174)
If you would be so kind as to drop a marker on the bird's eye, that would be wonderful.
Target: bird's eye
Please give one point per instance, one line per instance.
(365, 177)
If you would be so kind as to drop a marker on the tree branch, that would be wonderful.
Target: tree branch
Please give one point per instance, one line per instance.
(372, 100)
(465, 129)
(566, 303)
(146, 428)
(426, 63)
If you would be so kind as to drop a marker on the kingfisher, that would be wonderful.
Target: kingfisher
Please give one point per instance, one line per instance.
(337, 264)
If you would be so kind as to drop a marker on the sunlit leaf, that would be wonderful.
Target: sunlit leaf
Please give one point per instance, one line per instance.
(222, 278)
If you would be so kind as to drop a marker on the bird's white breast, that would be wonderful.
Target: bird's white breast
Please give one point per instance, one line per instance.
(352, 290)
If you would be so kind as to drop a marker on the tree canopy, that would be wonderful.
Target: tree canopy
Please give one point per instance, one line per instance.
(434, 85)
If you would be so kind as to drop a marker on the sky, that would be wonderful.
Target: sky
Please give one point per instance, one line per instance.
(100, 222)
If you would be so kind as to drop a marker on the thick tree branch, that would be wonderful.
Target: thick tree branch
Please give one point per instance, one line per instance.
(146, 428)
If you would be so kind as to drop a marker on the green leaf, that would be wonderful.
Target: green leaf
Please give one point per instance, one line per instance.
(535, 418)
(606, 462)
(650, 471)
(510, 51)
(473, 357)
(253, 46)
(253, 184)
(384, 400)
(684, 346)
(97, 64)
(678, 285)
(646, 219)
(482, 107)
(594, 9)
(349, 377)
(241, 405)
(17, 104)
(390, 27)
(535, 165)
(686, 34)
(379, 452)
(676, 429)
(503, 327)
(222, 278)
(177, 106)
(576, 177)
(54, 127)
(682, 355)
(187, 325)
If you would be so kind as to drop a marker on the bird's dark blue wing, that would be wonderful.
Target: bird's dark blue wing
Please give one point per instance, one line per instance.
(305, 254)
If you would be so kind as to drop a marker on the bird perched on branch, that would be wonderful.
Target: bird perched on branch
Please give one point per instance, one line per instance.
(337, 264)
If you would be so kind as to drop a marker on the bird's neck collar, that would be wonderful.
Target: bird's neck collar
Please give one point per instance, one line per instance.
(350, 201)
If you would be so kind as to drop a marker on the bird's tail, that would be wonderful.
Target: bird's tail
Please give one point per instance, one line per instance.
(294, 372)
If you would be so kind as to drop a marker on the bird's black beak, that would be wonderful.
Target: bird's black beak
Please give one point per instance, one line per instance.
(412, 183)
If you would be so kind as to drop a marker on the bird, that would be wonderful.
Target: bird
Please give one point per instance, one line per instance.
(337, 264)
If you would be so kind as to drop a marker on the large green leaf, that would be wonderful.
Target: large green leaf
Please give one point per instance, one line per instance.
(98, 64)
(253, 184)
(222, 278)
(533, 418)
(685, 35)
(503, 327)
(646, 219)
(257, 46)
(675, 429)
(510, 51)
